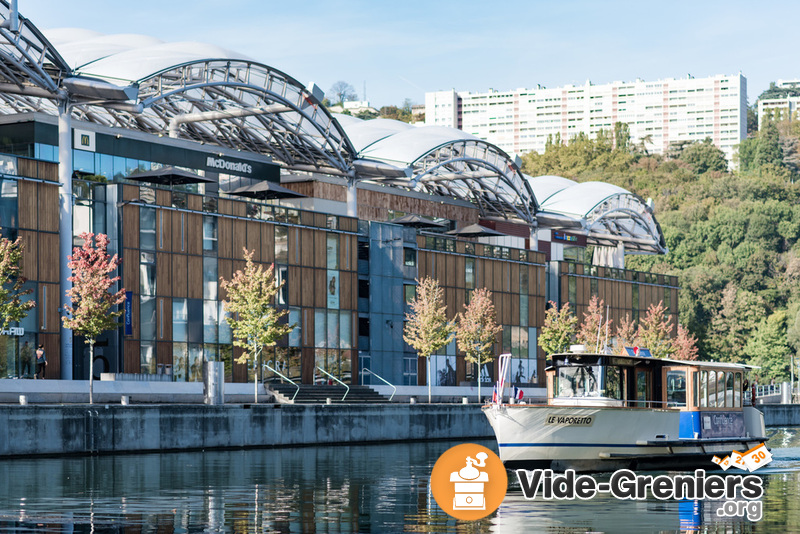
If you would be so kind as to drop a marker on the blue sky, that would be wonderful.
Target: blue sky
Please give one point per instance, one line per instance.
(403, 49)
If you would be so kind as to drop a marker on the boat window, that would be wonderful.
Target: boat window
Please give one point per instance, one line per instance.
(578, 381)
(703, 389)
(737, 390)
(720, 389)
(712, 389)
(676, 388)
(729, 390)
(642, 389)
(613, 383)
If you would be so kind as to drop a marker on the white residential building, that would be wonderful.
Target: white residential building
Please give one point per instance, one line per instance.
(783, 108)
(521, 120)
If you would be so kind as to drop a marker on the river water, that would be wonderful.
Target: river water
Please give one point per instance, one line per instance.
(371, 488)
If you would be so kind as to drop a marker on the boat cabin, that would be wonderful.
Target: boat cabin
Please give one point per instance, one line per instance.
(588, 379)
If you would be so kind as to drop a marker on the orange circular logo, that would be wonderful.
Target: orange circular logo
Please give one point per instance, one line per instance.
(469, 481)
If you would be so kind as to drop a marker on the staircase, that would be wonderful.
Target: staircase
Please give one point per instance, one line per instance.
(311, 394)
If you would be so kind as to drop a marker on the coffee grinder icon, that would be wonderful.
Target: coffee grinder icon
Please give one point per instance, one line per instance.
(469, 483)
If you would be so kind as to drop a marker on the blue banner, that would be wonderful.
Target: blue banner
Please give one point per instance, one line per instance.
(128, 313)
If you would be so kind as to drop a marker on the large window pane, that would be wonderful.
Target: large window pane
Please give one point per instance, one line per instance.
(281, 245)
(345, 330)
(333, 329)
(148, 358)
(470, 273)
(147, 273)
(147, 228)
(332, 251)
(194, 328)
(147, 325)
(210, 278)
(210, 321)
(8, 204)
(282, 278)
(180, 355)
(180, 318)
(195, 363)
(225, 335)
(320, 331)
(209, 233)
(295, 334)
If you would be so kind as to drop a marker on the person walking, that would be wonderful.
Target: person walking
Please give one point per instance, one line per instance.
(27, 360)
(41, 362)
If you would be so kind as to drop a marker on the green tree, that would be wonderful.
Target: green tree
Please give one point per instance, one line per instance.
(746, 153)
(12, 307)
(427, 329)
(704, 157)
(476, 330)
(93, 303)
(253, 318)
(768, 148)
(622, 136)
(768, 347)
(559, 329)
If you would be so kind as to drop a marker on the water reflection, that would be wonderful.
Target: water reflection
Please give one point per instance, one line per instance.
(380, 488)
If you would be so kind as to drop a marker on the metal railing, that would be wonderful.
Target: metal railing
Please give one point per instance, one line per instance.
(333, 377)
(285, 378)
(376, 375)
(763, 391)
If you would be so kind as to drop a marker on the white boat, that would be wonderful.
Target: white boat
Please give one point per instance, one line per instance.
(607, 412)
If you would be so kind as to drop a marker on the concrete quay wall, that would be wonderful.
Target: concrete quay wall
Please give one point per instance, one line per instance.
(781, 414)
(105, 429)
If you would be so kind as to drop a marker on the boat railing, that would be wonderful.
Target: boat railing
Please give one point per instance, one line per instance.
(379, 377)
(326, 373)
(618, 403)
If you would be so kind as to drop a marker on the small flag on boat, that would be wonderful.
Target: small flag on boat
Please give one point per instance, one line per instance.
(494, 394)
(517, 393)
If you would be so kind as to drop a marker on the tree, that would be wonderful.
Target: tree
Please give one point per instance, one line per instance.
(589, 332)
(622, 136)
(477, 329)
(342, 92)
(92, 312)
(251, 313)
(768, 148)
(768, 347)
(559, 329)
(12, 307)
(655, 331)
(704, 157)
(427, 329)
(625, 334)
(685, 345)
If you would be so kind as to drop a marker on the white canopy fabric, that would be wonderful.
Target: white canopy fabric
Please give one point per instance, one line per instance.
(609, 214)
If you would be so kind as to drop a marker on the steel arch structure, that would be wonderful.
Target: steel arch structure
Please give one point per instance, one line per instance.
(476, 171)
(239, 104)
(29, 63)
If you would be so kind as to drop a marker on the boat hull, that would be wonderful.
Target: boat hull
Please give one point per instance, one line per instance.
(601, 439)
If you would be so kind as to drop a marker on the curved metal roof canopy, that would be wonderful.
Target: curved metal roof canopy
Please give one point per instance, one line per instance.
(447, 162)
(608, 213)
(191, 90)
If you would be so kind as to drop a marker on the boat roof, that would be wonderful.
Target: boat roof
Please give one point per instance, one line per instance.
(662, 361)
